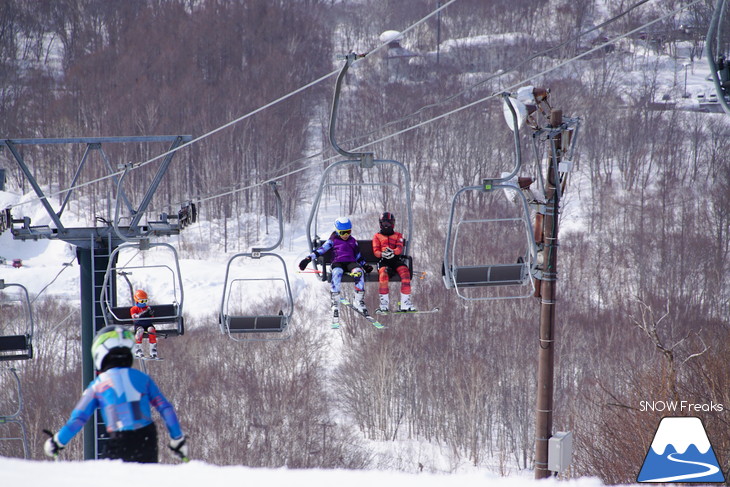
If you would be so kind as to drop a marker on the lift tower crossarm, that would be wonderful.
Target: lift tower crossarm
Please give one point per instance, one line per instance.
(93, 143)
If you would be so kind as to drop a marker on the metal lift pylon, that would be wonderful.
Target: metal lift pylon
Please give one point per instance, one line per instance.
(94, 245)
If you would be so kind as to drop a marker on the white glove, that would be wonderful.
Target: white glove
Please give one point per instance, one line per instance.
(52, 447)
(180, 447)
(388, 253)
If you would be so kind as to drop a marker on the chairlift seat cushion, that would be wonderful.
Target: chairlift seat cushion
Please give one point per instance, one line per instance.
(255, 324)
(491, 275)
(15, 347)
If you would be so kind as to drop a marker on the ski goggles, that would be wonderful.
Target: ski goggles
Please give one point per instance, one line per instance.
(342, 233)
(142, 301)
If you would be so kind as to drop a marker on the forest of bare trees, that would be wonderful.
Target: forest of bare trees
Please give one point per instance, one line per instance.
(644, 281)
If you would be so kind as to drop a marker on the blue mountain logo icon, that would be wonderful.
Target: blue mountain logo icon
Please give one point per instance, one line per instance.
(680, 452)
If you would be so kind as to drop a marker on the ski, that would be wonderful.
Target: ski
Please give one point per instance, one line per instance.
(420, 311)
(372, 320)
(149, 358)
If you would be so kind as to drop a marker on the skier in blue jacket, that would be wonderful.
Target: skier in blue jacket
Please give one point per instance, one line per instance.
(347, 258)
(125, 397)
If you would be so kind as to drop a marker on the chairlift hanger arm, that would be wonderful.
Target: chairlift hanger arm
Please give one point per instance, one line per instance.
(712, 34)
(279, 212)
(516, 132)
(364, 157)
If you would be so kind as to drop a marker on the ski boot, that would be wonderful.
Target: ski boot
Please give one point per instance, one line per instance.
(335, 310)
(405, 303)
(359, 303)
(137, 350)
(384, 304)
(153, 350)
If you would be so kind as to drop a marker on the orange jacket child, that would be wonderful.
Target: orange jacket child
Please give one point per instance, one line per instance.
(141, 313)
(388, 247)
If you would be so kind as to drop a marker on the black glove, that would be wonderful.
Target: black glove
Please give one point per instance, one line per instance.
(51, 447)
(147, 312)
(180, 448)
(367, 268)
(304, 263)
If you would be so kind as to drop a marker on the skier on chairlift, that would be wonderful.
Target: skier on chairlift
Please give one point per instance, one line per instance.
(347, 258)
(388, 247)
(141, 313)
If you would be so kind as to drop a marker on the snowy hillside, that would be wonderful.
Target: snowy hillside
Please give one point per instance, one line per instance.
(443, 399)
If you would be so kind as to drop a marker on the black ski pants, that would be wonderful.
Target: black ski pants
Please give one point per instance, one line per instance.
(138, 446)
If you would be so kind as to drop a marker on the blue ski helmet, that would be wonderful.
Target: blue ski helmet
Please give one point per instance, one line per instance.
(343, 223)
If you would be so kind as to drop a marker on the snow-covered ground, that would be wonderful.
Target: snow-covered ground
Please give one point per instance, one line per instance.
(194, 474)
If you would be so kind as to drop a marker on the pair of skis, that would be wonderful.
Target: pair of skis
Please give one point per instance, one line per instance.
(345, 302)
(413, 312)
(377, 324)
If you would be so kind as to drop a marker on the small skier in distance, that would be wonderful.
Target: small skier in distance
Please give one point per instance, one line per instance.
(141, 313)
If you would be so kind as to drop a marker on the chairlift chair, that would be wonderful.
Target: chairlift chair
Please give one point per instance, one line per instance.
(13, 417)
(366, 162)
(516, 274)
(18, 346)
(167, 317)
(247, 327)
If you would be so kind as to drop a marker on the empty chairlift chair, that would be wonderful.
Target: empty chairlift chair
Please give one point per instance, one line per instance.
(515, 274)
(266, 325)
(16, 343)
(16, 339)
(11, 416)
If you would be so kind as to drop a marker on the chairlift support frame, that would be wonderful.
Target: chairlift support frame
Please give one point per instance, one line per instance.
(365, 160)
(249, 326)
(508, 274)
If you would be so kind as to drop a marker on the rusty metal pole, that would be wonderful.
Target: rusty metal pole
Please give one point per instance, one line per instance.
(546, 354)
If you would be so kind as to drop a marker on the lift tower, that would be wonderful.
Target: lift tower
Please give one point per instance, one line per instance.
(94, 244)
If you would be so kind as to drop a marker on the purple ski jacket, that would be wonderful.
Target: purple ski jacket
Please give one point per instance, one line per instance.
(344, 250)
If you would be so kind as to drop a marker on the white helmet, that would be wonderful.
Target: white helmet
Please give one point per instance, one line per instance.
(108, 339)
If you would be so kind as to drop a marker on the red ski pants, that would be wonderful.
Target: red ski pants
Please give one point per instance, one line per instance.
(405, 279)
